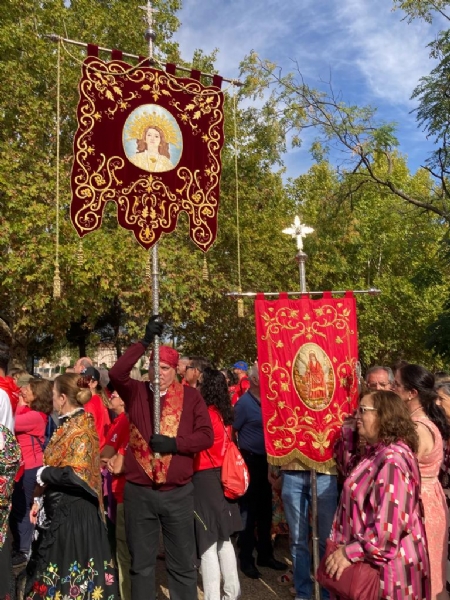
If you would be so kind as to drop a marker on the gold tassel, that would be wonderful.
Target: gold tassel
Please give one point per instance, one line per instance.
(205, 269)
(240, 304)
(56, 283)
(80, 255)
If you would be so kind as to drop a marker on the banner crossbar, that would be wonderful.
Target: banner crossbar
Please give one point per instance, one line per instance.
(370, 292)
(57, 38)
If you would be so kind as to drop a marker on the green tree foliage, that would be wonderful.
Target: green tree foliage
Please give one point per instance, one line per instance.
(350, 132)
(422, 9)
(368, 165)
(365, 233)
(112, 266)
(376, 241)
(105, 279)
(355, 132)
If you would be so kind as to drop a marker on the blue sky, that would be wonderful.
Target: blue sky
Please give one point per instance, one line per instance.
(371, 55)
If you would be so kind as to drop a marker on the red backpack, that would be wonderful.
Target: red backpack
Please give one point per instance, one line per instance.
(234, 476)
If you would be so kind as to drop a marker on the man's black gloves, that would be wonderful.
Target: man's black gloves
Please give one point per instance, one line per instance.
(154, 327)
(163, 444)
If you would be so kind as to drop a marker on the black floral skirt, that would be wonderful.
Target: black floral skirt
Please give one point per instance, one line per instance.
(72, 558)
(7, 583)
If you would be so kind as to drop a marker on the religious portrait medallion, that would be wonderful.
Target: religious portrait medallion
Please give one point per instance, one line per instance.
(313, 376)
(152, 139)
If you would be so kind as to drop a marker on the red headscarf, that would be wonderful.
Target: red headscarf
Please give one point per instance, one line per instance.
(167, 355)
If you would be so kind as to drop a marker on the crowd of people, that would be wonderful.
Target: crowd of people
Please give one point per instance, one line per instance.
(91, 486)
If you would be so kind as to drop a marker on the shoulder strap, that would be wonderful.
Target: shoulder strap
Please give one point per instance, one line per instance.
(428, 424)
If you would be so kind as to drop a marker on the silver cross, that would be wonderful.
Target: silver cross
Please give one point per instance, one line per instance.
(299, 231)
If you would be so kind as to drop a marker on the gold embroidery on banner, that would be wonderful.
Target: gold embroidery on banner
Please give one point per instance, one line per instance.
(197, 191)
(295, 419)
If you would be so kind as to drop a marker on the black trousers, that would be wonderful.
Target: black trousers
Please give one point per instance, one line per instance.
(256, 510)
(146, 511)
(19, 519)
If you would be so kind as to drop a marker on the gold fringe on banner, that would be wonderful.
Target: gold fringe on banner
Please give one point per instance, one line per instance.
(205, 269)
(279, 461)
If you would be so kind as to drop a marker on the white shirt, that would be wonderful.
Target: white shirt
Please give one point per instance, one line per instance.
(6, 413)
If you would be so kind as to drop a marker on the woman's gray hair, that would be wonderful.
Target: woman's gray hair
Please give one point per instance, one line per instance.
(444, 386)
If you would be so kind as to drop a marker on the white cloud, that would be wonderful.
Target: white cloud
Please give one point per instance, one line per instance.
(370, 54)
(361, 41)
(390, 53)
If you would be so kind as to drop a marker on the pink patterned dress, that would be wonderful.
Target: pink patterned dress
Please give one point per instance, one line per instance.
(436, 513)
(380, 517)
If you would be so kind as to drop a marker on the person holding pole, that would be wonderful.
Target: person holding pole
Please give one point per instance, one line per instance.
(159, 468)
(307, 493)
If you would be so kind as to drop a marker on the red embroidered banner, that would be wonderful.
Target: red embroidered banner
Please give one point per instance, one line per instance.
(151, 143)
(307, 354)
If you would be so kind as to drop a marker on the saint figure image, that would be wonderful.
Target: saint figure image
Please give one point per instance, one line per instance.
(315, 379)
(152, 139)
(153, 152)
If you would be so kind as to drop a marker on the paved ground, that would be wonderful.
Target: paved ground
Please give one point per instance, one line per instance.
(265, 588)
(252, 589)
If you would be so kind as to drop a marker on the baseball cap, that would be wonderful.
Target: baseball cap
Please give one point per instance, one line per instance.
(241, 364)
(91, 373)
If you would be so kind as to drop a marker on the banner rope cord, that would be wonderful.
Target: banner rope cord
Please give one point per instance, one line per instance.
(238, 234)
(57, 278)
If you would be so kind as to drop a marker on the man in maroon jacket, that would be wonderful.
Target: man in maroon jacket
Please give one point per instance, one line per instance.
(158, 491)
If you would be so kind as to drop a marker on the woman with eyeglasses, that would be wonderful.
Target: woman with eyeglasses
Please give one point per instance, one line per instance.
(379, 519)
(416, 387)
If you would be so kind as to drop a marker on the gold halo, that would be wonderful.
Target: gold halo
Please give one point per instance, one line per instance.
(141, 122)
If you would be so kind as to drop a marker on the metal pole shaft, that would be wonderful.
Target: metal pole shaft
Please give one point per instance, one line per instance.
(150, 36)
(302, 258)
(155, 300)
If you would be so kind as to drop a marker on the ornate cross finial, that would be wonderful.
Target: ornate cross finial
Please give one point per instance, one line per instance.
(149, 10)
(299, 231)
(150, 35)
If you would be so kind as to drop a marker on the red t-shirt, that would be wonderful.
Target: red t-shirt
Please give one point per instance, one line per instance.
(30, 433)
(242, 386)
(102, 421)
(118, 438)
(213, 457)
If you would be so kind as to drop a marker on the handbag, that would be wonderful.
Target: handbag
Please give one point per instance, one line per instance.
(359, 581)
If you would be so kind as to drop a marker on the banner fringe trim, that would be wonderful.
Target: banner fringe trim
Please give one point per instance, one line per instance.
(322, 467)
